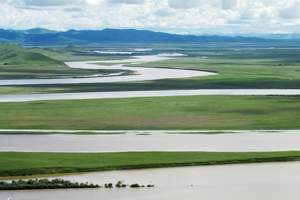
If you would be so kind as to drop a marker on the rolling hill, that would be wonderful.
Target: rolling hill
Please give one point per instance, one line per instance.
(15, 55)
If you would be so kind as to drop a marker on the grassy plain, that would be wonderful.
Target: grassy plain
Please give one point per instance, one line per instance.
(20, 164)
(160, 113)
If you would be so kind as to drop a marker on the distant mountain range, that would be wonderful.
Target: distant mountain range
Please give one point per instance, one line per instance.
(40, 36)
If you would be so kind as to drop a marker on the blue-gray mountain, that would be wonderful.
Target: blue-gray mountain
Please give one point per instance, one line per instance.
(39, 36)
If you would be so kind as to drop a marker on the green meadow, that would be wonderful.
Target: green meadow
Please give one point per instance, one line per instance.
(159, 113)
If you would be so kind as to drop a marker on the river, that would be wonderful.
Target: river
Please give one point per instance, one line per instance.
(141, 73)
(233, 141)
(270, 181)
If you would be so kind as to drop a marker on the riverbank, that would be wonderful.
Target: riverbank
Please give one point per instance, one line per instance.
(26, 164)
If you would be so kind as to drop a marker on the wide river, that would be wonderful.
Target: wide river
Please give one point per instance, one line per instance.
(272, 181)
(238, 141)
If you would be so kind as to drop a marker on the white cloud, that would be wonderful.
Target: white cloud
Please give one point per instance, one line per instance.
(94, 2)
(127, 1)
(50, 2)
(292, 11)
(184, 16)
(179, 4)
(229, 4)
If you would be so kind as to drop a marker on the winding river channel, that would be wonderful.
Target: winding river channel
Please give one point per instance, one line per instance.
(141, 73)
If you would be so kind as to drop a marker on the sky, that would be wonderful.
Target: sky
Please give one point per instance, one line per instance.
(174, 16)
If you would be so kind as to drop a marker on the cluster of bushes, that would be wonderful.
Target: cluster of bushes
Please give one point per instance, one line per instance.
(120, 184)
(44, 184)
(60, 184)
(139, 186)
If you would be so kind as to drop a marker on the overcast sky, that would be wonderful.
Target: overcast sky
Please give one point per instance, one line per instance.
(179, 16)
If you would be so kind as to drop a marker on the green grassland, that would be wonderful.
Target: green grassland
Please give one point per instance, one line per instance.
(21, 164)
(159, 113)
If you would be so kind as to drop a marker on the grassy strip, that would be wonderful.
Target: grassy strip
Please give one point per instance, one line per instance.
(159, 113)
(21, 164)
